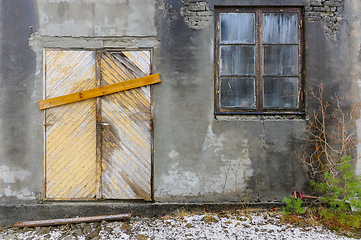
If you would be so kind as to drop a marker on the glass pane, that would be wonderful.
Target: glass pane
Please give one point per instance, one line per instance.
(237, 27)
(280, 93)
(280, 28)
(237, 60)
(237, 92)
(280, 60)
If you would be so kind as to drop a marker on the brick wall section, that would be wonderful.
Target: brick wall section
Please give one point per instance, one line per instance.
(330, 11)
(196, 14)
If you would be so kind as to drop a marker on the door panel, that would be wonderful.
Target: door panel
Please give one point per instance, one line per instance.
(70, 143)
(126, 163)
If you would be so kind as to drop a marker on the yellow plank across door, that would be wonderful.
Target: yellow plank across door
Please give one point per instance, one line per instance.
(126, 134)
(98, 92)
(70, 130)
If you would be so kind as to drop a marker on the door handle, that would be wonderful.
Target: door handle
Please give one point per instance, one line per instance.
(105, 124)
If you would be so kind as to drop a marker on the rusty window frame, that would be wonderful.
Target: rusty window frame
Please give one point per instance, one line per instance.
(259, 109)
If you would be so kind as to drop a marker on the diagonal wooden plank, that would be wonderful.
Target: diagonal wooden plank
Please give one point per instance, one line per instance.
(100, 91)
(70, 166)
(127, 138)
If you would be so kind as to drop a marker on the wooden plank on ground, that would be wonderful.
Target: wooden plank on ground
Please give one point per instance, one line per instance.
(63, 221)
(100, 91)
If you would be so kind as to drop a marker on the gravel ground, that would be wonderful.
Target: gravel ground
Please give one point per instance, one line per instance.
(200, 226)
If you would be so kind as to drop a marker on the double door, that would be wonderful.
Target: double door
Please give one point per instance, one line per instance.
(99, 148)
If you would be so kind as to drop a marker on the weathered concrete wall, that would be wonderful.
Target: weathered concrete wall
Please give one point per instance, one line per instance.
(200, 157)
(96, 18)
(352, 15)
(20, 121)
(197, 156)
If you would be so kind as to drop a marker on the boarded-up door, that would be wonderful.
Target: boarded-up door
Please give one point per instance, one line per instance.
(101, 147)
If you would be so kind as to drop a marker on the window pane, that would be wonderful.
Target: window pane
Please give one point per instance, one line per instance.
(280, 93)
(237, 60)
(280, 28)
(280, 60)
(237, 92)
(237, 27)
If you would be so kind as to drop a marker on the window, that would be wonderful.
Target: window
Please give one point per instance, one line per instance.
(258, 67)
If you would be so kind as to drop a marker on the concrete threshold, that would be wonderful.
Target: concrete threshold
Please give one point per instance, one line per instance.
(12, 213)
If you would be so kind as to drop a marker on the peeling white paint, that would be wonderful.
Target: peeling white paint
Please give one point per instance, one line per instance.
(10, 176)
(212, 141)
(39, 59)
(230, 178)
(358, 160)
(181, 183)
(354, 7)
(358, 125)
(23, 194)
(173, 154)
(174, 166)
(237, 172)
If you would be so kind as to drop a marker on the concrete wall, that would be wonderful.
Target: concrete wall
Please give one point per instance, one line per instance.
(208, 158)
(20, 121)
(197, 156)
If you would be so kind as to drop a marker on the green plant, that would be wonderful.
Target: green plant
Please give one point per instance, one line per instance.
(293, 205)
(329, 165)
(338, 193)
(342, 190)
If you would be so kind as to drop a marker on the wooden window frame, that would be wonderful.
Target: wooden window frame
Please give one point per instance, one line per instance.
(259, 110)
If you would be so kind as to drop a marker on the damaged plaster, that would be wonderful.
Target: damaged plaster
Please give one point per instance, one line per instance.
(11, 176)
(329, 11)
(197, 15)
(231, 177)
(23, 194)
(212, 141)
(8, 178)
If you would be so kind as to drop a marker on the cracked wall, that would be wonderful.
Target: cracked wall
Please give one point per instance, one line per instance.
(196, 148)
(197, 156)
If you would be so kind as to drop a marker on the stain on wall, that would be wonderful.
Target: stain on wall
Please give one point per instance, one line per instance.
(20, 121)
(96, 18)
(197, 156)
(12, 184)
(228, 176)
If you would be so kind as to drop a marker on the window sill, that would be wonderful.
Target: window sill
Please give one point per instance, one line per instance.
(260, 113)
(260, 116)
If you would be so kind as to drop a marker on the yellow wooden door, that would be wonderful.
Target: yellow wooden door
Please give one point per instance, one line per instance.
(70, 130)
(101, 147)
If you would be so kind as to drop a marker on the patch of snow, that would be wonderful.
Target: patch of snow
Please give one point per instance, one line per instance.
(250, 226)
